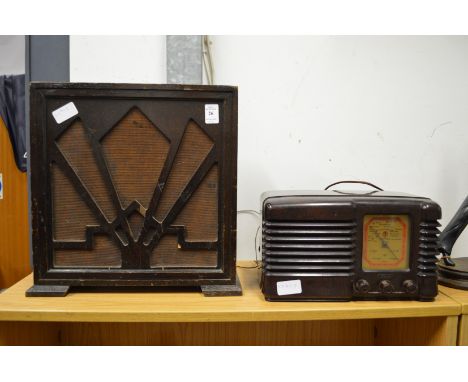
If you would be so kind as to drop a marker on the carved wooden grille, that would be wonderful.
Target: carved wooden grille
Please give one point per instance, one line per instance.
(129, 195)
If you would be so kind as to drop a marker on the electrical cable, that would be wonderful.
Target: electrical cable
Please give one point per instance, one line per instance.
(257, 262)
(208, 60)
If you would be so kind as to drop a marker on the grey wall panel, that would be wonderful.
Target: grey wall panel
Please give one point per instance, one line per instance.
(49, 58)
(184, 59)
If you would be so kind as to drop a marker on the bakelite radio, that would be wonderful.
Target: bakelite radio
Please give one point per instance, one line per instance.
(335, 245)
(133, 185)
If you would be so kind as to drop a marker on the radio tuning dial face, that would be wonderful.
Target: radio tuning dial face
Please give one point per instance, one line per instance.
(385, 242)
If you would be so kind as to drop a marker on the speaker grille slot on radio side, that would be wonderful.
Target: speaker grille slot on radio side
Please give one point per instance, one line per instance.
(309, 248)
(428, 236)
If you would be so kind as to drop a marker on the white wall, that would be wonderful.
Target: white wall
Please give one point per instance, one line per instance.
(133, 59)
(12, 54)
(314, 110)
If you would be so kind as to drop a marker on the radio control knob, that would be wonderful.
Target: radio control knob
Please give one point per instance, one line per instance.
(409, 286)
(362, 286)
(386, 286)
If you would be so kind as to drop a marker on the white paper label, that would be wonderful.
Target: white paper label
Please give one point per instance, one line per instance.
(1, 186)
(211, 113)
(65, 112)
(288, 287)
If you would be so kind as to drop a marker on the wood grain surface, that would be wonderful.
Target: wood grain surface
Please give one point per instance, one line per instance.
(191, 306)
(14, 225)
(417, 332)
(400, 331)
(460, 296)
(462, 339)
(187, 318)
(348, 332)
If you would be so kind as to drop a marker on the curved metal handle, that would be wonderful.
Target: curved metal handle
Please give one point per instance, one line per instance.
(354, 181)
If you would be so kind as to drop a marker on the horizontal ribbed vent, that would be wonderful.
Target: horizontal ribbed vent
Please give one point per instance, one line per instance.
(318, 247)
(428, 235)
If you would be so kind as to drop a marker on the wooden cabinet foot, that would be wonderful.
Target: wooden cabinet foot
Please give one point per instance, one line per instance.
(48, 291)
(222, 290)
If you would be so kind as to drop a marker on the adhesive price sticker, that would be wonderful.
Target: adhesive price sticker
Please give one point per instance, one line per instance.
(211, 114)
(65, 112)
(285, 288)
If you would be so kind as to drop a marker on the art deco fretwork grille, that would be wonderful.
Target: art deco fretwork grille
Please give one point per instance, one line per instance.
(137, 187)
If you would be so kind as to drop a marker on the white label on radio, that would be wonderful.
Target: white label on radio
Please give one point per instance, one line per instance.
(211, 113)
(65, 112)
(288, 287)
(1, 185)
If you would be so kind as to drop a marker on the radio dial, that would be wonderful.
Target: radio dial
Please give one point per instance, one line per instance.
(409, 286)
(386, 286)
(362, 286)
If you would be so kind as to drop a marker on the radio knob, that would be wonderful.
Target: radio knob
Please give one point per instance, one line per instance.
(409, 286)
(362, 286)
(386, 286)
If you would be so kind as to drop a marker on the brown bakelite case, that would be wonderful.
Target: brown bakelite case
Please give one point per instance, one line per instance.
(326, 245)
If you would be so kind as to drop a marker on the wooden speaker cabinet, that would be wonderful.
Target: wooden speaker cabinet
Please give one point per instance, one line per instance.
(133, 185)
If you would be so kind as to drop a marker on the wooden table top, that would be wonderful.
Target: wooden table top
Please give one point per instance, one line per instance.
(192, 306)
(459, 295)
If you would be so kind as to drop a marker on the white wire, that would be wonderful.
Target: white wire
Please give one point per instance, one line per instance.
(208, 60)
(256, 249)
